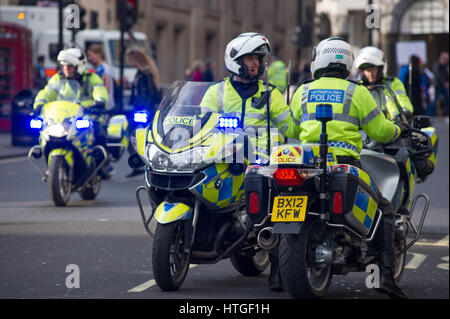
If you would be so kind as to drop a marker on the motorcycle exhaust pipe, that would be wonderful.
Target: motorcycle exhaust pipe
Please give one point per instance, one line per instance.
(267, 240)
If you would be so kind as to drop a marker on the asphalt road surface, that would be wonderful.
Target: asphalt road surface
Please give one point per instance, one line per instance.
(99, 249)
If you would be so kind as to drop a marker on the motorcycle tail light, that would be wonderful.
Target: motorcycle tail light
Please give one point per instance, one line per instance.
(254, 203)
(337, 203)
(288, 177)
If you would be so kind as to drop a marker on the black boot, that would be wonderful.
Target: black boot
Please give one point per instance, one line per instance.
(384, 242)
(388, 285)
(275, 283)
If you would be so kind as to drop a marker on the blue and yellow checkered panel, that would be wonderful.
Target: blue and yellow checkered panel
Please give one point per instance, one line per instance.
(224, 190)
(364, 208)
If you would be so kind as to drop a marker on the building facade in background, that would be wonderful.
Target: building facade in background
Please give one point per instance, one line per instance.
(394, 21)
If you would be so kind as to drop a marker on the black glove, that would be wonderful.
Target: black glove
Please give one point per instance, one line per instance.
(404, 128)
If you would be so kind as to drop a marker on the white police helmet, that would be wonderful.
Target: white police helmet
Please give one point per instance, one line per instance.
(244, 44)
(332, 55)
(370, 56)
(75, 57)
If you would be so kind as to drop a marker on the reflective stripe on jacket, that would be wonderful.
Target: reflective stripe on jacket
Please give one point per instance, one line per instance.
(92, 89)
(385, 99)
(353, 108)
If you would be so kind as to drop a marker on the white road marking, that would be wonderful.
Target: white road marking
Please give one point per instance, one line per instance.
(13, 160)
(441, 243)
(148, 284)
(416, 261)
(443, 266)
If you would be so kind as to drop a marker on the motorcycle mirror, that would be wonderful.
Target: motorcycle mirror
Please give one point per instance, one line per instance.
(135, 162)
(422, 121)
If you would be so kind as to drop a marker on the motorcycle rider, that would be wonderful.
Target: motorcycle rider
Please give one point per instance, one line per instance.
(353, 107)
(386, 90)
(244, 94)
(93, 92)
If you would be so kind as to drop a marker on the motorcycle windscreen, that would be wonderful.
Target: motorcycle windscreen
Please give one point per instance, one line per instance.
(180, 121)
(58, 111)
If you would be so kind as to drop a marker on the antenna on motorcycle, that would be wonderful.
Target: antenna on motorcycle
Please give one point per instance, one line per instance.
(288, 82)
(324, 114)
(269, 142)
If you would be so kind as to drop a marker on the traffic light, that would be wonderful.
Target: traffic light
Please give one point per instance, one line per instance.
(127, 12)
(82, 17)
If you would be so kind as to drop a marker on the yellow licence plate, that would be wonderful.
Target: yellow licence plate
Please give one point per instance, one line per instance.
(289, 209)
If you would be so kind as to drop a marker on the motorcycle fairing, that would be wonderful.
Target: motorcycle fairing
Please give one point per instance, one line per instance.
(384, 171)
(58, 111)
(409, 191)
(220, 188)
(67, 154)
(140, 140)
(431, 132)
(169, 212)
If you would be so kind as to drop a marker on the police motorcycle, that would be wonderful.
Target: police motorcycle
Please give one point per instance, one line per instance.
(324, 215)
(194, 174)
(67, 146)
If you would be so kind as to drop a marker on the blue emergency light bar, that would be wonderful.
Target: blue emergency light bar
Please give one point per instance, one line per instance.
(36, 124)
(140, 117)
(229, 122)
(82, 124)
(324, 112)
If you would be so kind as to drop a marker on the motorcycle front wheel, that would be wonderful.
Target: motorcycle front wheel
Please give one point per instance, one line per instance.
(170, 256)
(300, 276)
(58, 181)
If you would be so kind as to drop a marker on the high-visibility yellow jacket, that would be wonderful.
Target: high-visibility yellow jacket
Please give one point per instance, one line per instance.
(223, 98)
(353, 108)
(386, 97)
(91, 85)
(277, 74)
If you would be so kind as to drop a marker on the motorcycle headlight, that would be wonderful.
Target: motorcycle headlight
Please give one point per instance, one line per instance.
(56, 130)
(185, 161)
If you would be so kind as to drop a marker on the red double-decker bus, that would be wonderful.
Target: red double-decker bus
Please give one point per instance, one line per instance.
(16, 67)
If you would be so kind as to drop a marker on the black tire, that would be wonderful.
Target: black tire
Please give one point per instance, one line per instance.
(92, 189)
(59, 186)
(399, 259)
(298, 274)
(170, 260)
(250, 266)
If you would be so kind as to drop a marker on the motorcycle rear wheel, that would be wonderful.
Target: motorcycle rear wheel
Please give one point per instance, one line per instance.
(170, 258)
(400, 260)
(250, 266)
(300, 277)
(59, 186)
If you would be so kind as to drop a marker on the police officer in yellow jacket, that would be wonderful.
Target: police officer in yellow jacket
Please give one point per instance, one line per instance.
(93, 93)
(388, 92)
(73, 62)
(353, 108)
(246, 95)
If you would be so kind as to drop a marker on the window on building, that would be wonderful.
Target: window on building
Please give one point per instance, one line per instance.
(425, 17)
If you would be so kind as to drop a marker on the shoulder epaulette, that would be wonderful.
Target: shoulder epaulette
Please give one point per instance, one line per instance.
(390, 78)
(307, 81)
(356, 82)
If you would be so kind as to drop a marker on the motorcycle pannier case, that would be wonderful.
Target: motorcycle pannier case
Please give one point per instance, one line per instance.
(354, 198)
(258, 184)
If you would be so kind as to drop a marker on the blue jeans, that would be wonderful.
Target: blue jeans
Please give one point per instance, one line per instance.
(438, 93)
